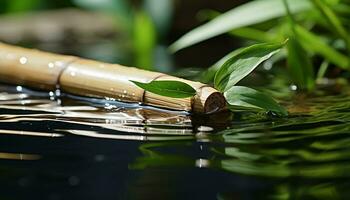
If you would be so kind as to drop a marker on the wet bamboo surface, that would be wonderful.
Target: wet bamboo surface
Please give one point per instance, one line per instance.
(48, 71)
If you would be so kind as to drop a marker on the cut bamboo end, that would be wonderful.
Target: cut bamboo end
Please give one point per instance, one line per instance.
(208, 100)
(84, 77)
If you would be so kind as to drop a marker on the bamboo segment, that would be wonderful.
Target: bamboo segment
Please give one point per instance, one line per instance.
(97, 79)
(92, 78)
(31, 67)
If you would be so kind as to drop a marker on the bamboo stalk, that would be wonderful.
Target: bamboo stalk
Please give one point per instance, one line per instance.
(84, 77)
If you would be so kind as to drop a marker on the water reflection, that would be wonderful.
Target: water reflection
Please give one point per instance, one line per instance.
(304, 156)
(18, 156)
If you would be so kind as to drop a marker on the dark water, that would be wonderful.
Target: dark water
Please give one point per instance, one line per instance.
(56, 146)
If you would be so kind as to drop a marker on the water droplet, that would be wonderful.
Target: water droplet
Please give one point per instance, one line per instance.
(202, 163)
(58, 92)
(293, 87)
(124, 92)
(59, 63)
(51, 65)
(19, 88)
(205, 129)
(267, 65)
(23, 60)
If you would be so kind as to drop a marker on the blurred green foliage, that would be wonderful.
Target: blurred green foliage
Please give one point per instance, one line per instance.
(318, 32)
(13, 6)
(145, 23)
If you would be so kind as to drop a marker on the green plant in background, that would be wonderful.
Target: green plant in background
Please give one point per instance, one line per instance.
(20, 5)
(145, 26)
(316, 29)
(299, 63)
(16, 6)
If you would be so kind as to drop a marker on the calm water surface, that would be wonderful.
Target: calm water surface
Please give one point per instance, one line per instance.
(54, 146)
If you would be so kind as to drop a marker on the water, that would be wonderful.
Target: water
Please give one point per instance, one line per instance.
(56, 146)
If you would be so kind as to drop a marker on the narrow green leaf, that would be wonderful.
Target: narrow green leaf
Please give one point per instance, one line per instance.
(322, 70)
(252, 99)
(333, 20)
(255, 34)
(299, 64)
(175, 89)
(317, 45)
(144, 40)
(242, 63)
(250, 13)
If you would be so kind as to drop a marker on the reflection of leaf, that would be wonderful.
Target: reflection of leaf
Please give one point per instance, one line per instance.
(242, 63)
(175, 89)
(245, 15)
(154, 157)
(250, 98)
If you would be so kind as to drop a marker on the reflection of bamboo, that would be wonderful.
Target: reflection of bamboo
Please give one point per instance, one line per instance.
(92, 78)
(19, 156)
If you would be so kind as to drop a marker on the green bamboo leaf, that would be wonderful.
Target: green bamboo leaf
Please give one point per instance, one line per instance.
(144, 40)
(255, 34)
(332, 19)
(299, 64)
(174, 89)
(250, 13)
(242, 63)
(317, 45)
(252, 99)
